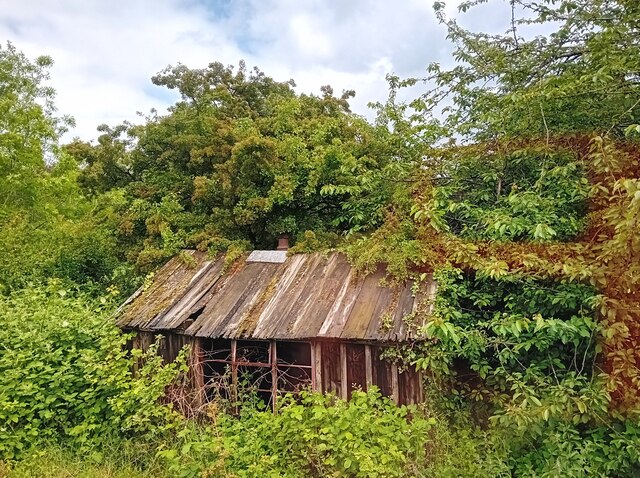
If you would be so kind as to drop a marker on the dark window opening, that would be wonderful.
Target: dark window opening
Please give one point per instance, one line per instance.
(266, 369)
(253, 353)
(294, 353)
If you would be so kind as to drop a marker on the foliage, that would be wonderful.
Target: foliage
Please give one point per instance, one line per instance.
(527, 211)
(28, 133)
(317, 435)
(47, 228)
(522, 337)
(608, 450)
(514, 179)
(581, 77)
(117, 460)
(66, 375)
(527, 194)
(240, 158)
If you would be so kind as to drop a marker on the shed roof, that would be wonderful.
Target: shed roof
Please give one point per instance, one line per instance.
(306, 296)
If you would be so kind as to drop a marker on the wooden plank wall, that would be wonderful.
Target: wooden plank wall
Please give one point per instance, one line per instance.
(341, 367)
(338, 367)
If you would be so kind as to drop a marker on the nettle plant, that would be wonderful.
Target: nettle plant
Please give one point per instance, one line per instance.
(67, 377)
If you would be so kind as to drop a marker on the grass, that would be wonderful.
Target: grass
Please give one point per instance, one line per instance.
(56, 462)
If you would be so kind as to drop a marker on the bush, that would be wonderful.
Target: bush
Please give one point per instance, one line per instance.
(317, 435)
(67, 376)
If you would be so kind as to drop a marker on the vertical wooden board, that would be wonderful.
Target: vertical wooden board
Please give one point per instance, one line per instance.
(369, 365)
(234, 372)
(395, 390)
(381, 371)
(146, 339)
(317, 366)
(356, 368)
(196, 372)
(410, 386)
(345, 389)
(331, 368)
(135, 341)
(273, 359)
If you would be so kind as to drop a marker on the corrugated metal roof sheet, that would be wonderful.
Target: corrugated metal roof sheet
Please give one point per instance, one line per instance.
(306, 296)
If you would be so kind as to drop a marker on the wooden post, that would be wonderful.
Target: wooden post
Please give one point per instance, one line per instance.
(344, 384)
(273, 359)
(395, 392)
(316, 366)
(197, 371)
(234, 376)
(368, 363)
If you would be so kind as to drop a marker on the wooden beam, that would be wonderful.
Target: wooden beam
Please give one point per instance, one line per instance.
(316, 366)
(273, 358)
(368, 363)
(234, 375)
(197, 371)
(344, 384)
(395, 391)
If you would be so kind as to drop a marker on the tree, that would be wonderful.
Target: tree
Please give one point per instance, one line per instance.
(240, 159)
(29, 131)
(46, 225)
(527, 208)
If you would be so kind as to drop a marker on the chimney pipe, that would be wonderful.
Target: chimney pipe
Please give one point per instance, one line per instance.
(283, 243)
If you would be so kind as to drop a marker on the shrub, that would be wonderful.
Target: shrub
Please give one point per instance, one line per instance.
(317, 435)
(66, 374)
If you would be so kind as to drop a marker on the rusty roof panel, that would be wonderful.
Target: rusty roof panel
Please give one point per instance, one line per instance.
(204, 279)
(306, 296)
(168, 287)
(320, 297)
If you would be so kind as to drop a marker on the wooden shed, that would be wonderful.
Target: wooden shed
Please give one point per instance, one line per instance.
(281, 322)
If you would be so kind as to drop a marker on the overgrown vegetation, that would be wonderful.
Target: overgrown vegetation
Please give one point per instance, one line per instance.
(514, 179)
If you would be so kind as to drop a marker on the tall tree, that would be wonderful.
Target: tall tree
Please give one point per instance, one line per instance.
(240, 157)
(46, 226)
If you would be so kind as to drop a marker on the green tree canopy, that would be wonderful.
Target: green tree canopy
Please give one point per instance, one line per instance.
(240, 157)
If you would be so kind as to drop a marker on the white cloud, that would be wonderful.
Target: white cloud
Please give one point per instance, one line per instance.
(106, 52)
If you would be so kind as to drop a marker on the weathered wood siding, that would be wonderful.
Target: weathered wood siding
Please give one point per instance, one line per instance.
(336, 367)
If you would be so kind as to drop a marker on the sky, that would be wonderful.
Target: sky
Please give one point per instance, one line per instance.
(106, 52)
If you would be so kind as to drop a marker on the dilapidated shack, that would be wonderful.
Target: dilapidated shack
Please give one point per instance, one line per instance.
(281, 322)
